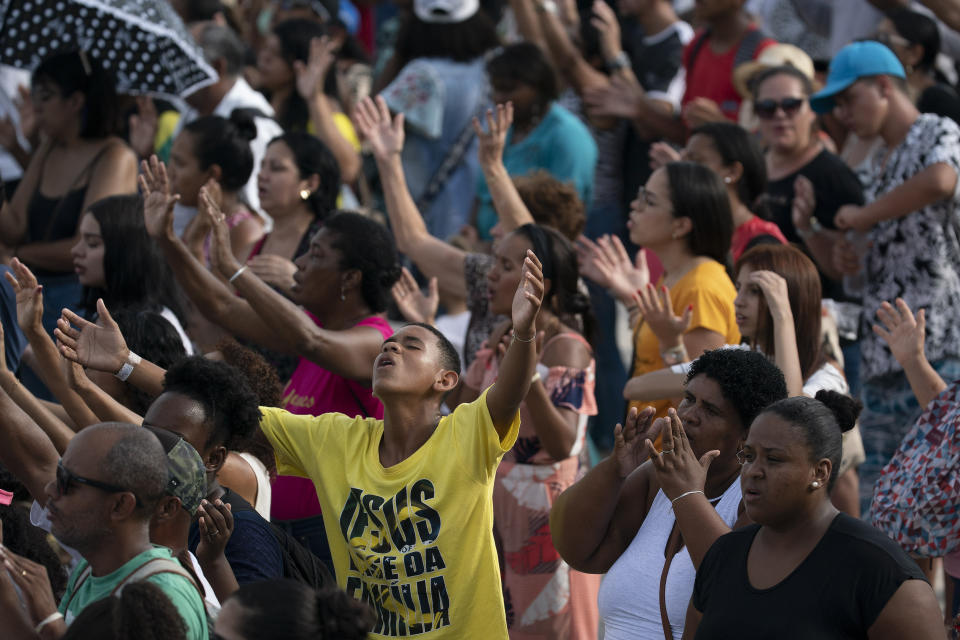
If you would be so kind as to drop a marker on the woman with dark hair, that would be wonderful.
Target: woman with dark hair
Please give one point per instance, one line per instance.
(335, 327)
(114, 259)
(733, 154)
(778, 314)
(915, 39)
(804, 570)
(295, 65)
(140, 611)
(683, 216)
(646, 519)
(436, 79)
(79, 162)
(217, 149)
(553, 424)
(289, 610)
(544, 135)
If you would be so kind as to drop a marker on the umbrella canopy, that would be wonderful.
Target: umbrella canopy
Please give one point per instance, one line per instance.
(144, 43)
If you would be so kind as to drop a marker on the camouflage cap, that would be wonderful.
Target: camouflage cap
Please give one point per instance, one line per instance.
(188, 476)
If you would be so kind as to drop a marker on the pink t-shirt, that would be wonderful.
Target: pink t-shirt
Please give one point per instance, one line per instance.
(313, 390)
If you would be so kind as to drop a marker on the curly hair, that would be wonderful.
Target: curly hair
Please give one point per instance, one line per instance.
(265, 383)
(24, 539)
(552, 203)
(369, 247)
(292, 610)
(822, 421)
(229, 405)
(747, 379)
(141, 611)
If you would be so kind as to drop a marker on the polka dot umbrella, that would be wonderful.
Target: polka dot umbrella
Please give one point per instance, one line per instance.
(144, 43)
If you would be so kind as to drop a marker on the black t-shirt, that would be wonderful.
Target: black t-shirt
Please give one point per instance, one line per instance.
(837, 591)
(252, 550)
(834, 183)
(656, 61)
(942, 100)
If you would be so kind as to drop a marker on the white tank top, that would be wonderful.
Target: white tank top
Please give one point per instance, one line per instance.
(264, 490)
(630, 592)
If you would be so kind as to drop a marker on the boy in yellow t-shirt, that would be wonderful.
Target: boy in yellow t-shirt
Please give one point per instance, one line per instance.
(407, 500)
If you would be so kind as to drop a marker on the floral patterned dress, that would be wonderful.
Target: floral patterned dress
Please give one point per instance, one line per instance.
(544, 597)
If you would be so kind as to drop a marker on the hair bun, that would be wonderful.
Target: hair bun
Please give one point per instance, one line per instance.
(246, 126)
(845, 409)
(390, 275)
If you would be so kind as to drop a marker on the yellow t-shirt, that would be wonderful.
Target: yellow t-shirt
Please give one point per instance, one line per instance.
(415, 540)
(709, 289)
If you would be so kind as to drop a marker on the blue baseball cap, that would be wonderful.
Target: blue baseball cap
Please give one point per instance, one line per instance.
(855, 61)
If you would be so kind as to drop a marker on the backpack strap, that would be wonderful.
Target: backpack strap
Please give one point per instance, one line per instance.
(152, 567)
(76, 586)
(696, 47)
(747, 49)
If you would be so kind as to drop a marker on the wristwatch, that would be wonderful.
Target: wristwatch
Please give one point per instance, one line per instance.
(621, 61)
(674, 355)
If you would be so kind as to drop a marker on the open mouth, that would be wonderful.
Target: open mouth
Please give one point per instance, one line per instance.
(384, 362)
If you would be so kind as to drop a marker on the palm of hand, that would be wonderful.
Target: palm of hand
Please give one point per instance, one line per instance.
(386, 140)
(158, 212)
(29, 306)
(416, 305)
(97, 347)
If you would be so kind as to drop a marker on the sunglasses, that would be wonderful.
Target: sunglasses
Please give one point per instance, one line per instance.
(766, 109)
(67, 479)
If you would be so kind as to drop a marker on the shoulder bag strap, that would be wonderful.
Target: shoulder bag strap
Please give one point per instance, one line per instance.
(152, 567)
(674, 544)
(76, 586)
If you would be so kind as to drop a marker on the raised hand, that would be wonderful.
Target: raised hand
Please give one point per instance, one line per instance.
(804, 203)
(221, 254)
(97, 346)
(607, 263)
(158, 202)
(29, 295)
(620, 98)
(604, 20)
(775, 292)
(412, 302)
(629, 448)
(657, 311)
(528, 298)
(215, 520)
(701, 111)
(662, 154)
(384, 136)
(677, 466)
(143, 127)
(493, 140)
(33, 582)
(312, 75)
(902, 332)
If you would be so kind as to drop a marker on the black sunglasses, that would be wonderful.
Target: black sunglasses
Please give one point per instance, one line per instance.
(766, 109)
(66, 479)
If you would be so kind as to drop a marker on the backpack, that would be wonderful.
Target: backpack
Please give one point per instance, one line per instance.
(299, 563)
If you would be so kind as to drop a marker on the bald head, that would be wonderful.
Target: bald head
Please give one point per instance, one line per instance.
(130, 457)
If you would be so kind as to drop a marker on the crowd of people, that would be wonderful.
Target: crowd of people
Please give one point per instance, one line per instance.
(503, 319)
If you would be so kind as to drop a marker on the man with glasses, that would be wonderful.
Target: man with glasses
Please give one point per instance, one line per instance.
(100, 498)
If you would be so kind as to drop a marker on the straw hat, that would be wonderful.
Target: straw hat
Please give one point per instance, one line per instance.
(776, 55)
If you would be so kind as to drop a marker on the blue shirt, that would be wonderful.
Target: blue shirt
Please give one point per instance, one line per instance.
(561, 145)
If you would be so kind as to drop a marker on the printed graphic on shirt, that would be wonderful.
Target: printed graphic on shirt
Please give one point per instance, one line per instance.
(395, 565)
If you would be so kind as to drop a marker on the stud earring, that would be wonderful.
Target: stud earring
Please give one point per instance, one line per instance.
(727, 179)
(343, 296)
(815, 484)
(304, 194)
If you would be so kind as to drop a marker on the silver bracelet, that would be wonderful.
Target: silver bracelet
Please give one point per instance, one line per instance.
(519, 339)
(53, 617)
(237, 274)
(132, 361)
(684, 495)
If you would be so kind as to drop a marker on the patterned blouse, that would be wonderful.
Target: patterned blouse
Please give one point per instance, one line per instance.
(915, 257)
